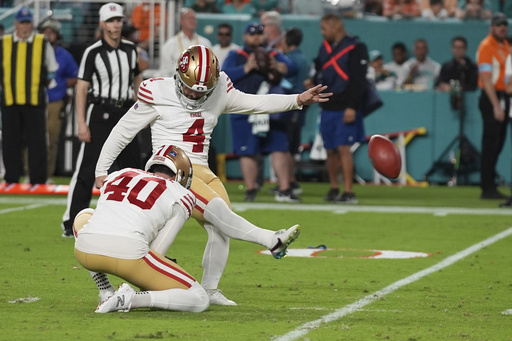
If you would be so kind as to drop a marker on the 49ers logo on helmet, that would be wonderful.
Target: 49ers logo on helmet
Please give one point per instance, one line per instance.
(184, 62)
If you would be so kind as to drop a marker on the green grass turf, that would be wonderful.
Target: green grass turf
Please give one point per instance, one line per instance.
(464, 301)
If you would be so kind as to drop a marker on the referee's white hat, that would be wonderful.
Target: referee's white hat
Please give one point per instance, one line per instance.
(111, 10)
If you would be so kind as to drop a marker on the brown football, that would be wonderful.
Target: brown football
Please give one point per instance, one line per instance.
(385, 156)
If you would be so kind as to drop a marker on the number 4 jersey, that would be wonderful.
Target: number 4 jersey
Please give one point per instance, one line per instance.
(134, 205)
(159, 106)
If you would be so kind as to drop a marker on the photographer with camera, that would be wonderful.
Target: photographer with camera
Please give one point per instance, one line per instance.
(255, 70)
(460, 70)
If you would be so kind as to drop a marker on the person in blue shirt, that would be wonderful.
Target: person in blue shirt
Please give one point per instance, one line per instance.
(65, 77)
(265, 135)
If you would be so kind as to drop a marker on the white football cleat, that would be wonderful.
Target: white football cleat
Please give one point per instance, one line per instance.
(217, 298)
(121, 300)
(283, 238)
(104, 295)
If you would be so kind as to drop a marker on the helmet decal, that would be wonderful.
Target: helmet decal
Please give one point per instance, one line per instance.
(184, 61)
(204, 66)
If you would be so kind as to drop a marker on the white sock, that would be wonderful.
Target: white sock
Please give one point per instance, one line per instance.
(231, 224)
(215, 256)
(193, 300)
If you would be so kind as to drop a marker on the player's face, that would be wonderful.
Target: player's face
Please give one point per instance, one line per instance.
(191, 94)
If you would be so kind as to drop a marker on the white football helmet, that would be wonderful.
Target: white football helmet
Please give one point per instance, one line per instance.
(198, 70)
(176, 160)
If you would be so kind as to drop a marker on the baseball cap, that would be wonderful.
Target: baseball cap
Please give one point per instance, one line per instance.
(111, 10)
(499, 18)
(253, 28)
(375, 54)
(24, 14)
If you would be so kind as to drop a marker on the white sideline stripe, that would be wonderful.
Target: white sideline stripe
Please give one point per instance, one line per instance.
(14, 209)
(240, 207)
(356, 306)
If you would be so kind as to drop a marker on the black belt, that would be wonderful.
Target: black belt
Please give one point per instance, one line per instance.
(117, 103)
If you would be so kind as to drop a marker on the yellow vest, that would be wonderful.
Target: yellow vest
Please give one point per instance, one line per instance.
(23, 73)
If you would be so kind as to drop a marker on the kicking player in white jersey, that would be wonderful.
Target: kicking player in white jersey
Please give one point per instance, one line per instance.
(183, 111)
(136, 219)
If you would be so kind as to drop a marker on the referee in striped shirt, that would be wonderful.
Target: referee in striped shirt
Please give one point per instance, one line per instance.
(108, 79)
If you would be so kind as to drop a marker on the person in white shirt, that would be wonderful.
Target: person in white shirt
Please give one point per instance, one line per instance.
(422, 70)
(224, 36)
(136, 220)
(183, 111)
(173, 47)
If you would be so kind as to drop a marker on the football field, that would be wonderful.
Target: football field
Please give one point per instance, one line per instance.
(406, 263)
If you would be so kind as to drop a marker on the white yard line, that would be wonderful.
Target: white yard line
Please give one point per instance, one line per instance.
(356, 306)
(29, 207)
(240, 207)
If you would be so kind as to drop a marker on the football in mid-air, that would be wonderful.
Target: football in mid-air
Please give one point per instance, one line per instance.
(385, 156)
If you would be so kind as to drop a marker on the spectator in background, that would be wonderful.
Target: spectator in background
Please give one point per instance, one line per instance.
(30, 57)
(2, 28)
(65, 78)
(384, 79)
(460, 68)
(108, 79)
(307, 7)
(272, 30)
(401, 9)
(493, 102)
(238, 7)
(131, 33)
(341, 121)
(225, 44)
(291, 48)
(435, 10)
(250, 138)
(141, 19)
(173, 47)
(205, 6)
(398, 66)
(373, 7)
(474, 9)
(422, 71)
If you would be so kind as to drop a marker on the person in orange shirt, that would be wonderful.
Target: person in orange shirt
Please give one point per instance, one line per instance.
(141, 19)
(493, 103)
(401, 9)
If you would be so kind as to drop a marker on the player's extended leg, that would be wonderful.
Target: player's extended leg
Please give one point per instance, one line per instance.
(101, 279)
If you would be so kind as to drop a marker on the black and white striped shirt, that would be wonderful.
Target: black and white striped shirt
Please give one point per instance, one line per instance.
(110, 71)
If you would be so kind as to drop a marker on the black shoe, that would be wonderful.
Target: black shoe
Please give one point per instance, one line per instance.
(507, 203)
(286, 196)
(250, 194)
(346, 198)
(67, 233)
(295, 187)
(332, 194)
(492, 194)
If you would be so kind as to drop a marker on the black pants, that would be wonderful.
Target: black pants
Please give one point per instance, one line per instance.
(102, 120)
(493, 139)
(24, 124)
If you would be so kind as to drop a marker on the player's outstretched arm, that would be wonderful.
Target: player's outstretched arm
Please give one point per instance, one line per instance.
(314, 95)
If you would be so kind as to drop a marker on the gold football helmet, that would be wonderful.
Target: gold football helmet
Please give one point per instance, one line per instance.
(198, 70)
(176, 160)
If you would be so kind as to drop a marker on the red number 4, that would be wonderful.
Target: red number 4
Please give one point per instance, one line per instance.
(195, 134)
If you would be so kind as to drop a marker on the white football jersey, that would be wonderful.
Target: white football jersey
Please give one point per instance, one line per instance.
(136, 204)
(171, 123)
